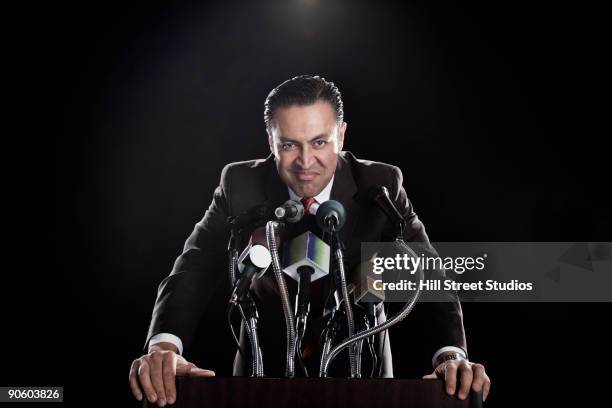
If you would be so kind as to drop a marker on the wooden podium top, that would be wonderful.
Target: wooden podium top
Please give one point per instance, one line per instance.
(315, 392)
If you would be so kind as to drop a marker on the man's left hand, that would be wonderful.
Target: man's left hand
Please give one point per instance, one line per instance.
(469, 375)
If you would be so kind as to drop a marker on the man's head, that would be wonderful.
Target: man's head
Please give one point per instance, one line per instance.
(304, 121)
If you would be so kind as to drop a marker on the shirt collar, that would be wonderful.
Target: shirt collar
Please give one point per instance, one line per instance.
(320, 198)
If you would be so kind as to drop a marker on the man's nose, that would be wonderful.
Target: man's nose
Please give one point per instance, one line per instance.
(306, 158)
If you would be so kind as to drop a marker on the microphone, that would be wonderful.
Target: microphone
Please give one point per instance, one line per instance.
(380, 195)
(252, 262)
(365, 294)
(331, 216)
(306, 250)
(291, 211)
(305, 259)
(302, 300)
(364, 290)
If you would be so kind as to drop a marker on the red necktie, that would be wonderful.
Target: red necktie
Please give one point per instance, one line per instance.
(307, 201)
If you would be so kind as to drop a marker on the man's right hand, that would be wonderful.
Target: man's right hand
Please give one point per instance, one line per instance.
(155, 372)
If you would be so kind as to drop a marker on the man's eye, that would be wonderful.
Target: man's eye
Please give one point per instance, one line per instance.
(320, 143)
(287, 146)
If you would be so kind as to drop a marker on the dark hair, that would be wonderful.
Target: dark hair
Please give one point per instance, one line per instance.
(303, 90)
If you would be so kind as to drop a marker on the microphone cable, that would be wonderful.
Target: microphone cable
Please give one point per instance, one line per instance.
(230, 310)
(298, 351)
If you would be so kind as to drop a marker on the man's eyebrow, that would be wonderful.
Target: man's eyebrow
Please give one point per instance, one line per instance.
(288, 139)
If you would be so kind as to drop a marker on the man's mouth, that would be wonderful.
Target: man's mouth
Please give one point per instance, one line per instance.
(305, 175)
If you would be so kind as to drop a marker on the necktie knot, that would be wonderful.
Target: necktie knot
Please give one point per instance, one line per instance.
(307, 202)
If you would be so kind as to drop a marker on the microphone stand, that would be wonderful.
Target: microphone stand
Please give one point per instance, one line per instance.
(271, 229)
(331, 330)
(338, 251)
(249, 315)
(303, 299)
(232, 250)
(302, 309)
(247, 308)
(369, 321)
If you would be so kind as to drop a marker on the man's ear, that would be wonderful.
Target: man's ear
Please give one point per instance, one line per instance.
(341, 132)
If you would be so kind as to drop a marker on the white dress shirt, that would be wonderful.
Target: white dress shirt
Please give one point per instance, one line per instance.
(320, 198)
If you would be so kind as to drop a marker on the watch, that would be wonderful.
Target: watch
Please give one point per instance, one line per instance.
(453, 356)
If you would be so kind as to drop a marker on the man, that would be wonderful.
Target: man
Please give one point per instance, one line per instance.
(306, 131)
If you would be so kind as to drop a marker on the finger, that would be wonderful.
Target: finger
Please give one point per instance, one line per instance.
(479, 377)
(157, 379)
(430, 377)
(450, 377)
(144, 375)
(134, 380)
(169, 374)
(485, 388)
(200, 372)
(466, 374)
(183, 368)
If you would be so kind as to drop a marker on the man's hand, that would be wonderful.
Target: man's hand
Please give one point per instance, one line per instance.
(470, 375)
(154, 373)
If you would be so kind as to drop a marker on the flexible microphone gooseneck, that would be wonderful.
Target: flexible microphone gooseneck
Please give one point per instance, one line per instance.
(331, 217)
(271, 238)
(389, 208)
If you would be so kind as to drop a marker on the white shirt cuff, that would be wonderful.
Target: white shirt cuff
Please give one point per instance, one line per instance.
(167, 338)
(445, 349)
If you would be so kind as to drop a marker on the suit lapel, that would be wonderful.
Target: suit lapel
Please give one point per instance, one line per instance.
(344, 190)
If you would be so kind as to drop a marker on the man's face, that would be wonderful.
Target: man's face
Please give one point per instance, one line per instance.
(306, 141)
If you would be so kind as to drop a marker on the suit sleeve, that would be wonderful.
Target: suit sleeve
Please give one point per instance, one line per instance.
(197, 273)
(445, 319)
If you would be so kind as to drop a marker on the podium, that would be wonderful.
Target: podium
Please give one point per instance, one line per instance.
(249, 392)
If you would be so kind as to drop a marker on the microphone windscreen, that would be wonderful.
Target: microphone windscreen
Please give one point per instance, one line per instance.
(291, 211)
(328, 208)
(380, 195)
(377, 192)
(257, 256)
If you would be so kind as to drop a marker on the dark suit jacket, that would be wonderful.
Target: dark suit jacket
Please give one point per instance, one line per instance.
(184, 295)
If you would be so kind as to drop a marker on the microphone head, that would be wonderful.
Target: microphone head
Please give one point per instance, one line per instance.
(290, 211)
(380, 195)
(256, 255)
(257, 252)
(306, 250)
(378, 192)
(280, 212)
(260, 256)
(365, 290)
(331, 210)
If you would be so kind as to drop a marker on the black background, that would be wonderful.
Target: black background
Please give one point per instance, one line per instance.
(125, 114)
